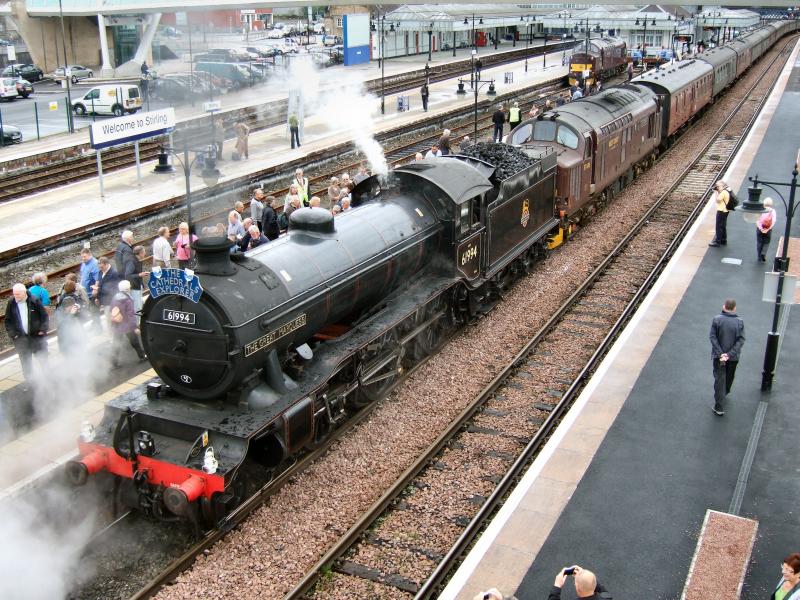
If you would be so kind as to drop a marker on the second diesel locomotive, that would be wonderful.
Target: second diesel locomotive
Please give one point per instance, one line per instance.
(261, 355)
(597, 60)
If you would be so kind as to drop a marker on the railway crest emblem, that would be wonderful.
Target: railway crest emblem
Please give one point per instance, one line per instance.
(526, 213)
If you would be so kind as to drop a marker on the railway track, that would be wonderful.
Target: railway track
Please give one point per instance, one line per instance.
(408, 542)
(396, 154)
(593, 314)
(32, 181)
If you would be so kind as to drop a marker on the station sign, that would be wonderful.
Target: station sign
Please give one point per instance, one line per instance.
(11, 52)
(130, 128)
(212, 105)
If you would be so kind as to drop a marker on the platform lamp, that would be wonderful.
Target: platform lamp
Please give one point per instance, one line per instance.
(430, 37)
(205, 156)
(752, 210)
(70, 122)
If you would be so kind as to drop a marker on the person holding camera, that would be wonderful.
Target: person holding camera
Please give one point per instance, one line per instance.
(586, 585)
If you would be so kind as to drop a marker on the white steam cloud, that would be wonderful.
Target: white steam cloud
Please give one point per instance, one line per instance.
(341, 104)
(41, 550)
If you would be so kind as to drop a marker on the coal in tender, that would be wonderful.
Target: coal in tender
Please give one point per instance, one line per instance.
(508, 160)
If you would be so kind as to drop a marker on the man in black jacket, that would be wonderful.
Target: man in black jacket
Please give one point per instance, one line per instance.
(269, 221)
(106, 288)
(586, 585)
(498, 118)
(26, 324)
(124, 259)
(727, 339)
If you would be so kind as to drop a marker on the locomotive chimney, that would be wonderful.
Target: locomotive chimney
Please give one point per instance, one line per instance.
(213, 256)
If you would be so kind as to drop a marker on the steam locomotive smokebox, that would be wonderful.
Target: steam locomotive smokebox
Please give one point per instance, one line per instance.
(213, 256)
(312, 221)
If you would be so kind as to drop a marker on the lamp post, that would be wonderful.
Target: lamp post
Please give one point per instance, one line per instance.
(478, 84)
(70, 122)
(564, 14)
(752, 210)
(644, 39)
(430, 37)
(210, 173)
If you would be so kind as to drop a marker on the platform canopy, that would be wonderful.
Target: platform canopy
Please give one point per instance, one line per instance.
(50, 8)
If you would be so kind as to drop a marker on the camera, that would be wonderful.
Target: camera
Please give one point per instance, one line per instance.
(569, 571)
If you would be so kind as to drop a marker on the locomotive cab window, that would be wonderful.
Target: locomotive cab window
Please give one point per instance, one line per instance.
(567, 137)
(544, 131)
(522, 135)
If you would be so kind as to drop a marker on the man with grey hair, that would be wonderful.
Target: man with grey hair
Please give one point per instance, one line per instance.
(124, 259)
(123, 324)
(26, 324)
(444, 142)
(256, 239)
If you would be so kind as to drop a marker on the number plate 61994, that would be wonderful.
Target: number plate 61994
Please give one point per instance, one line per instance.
(177, 316)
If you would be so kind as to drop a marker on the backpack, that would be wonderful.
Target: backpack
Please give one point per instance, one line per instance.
(733, 201)
(116, 315)
(283, 221)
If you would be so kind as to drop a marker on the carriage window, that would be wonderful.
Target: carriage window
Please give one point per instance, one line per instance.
(544, 131)
(522, 135)
(567, 137)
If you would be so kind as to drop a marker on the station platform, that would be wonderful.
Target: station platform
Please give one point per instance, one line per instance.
(623, 486)
(344, 117)
(273, 90)
(23, 453)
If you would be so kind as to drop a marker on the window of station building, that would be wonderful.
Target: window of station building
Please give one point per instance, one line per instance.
(522, 135)
(567, 137)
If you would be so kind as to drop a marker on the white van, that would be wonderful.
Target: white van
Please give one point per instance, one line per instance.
(109, 100)
(8, 88)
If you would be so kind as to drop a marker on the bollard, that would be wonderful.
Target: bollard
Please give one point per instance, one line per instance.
(164, 165)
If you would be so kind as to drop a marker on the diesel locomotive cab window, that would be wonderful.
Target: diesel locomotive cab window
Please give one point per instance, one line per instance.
(545, 131)
(522, 135)
(567, 137)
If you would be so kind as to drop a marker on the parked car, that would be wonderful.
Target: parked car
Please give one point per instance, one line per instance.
(8, 89)
(76, 73)
(109, 100)
(256, 74)
(25, 70)
(12, 134)
(24, 87)
(238, 76)
(217, 55)
(176, 90)
(171, 32)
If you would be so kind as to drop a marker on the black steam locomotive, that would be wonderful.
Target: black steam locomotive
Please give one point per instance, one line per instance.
(261, 355)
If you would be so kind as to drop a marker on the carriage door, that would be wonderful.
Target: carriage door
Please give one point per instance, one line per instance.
(587, 173)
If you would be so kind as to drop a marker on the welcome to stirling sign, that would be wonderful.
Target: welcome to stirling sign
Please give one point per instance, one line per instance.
(131, 128)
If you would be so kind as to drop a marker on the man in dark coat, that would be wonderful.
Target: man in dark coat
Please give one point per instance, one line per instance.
(269, 220)
(499, 119)
(586, 585)
(124, 258)
(727, 339)
(425, 93)
(26, 324)
(478, 67)
(106, 288)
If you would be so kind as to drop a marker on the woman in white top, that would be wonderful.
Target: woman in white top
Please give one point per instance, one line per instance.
(162, 251)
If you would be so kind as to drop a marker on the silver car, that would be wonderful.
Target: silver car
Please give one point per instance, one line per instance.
(76, 73)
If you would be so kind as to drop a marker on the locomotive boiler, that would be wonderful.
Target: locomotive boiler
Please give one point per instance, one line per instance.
(261, 355)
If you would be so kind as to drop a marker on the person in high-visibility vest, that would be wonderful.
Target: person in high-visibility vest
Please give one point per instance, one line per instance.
(514, 116)
(302, 185)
